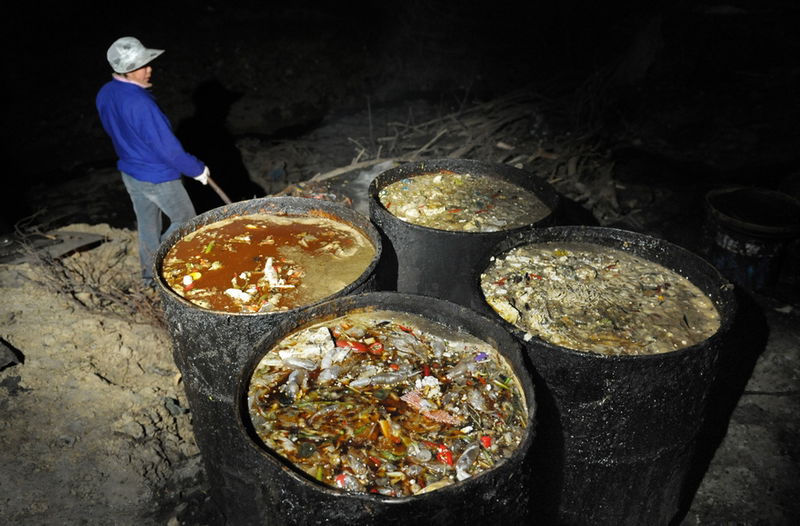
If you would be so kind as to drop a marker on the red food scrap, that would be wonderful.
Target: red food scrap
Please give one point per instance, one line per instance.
(350, 344)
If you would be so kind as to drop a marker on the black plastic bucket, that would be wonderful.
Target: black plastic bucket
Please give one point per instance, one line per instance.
(618, 435)
(285, 495)
(438, 263)
(210, 347)
(748, 230)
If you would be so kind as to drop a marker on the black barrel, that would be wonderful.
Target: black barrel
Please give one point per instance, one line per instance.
(438, 263)
(287, 496)
(748, 231)
(618, 435)
(211, 347)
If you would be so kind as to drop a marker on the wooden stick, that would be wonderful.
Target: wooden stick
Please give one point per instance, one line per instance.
(219, 191)
(429, 143)
(350, 167)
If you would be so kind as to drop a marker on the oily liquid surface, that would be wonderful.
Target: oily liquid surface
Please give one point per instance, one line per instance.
(446, 200)
(387, 403)
(264, 262)
(593, 298)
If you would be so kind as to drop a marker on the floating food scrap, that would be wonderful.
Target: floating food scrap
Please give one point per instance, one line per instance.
(446, 200)
(593, 298)
(265, 262)
(387, 403)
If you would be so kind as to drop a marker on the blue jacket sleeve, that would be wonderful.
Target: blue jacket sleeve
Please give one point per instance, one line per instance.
(158, 134)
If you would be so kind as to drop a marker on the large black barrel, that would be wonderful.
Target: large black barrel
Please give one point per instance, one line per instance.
(618, 435)
(438, 263)
(211, 347)
(287, 496)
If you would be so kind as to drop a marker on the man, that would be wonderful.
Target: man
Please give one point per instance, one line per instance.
(151, 158)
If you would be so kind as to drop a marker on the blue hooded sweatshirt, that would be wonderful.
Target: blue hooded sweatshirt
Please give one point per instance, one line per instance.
(142, 135)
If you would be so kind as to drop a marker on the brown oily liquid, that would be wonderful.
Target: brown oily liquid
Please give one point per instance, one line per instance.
(388, 403)
(263, 262)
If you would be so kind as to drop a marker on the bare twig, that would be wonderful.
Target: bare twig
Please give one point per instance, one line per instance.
(344, 169)
(427, 145)
(369, 118)
(96, 284)
(572, 163)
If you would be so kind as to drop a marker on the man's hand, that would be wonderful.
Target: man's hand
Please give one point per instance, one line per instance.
(203, 177)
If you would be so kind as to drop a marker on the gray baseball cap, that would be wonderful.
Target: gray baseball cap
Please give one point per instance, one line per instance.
(128, 54)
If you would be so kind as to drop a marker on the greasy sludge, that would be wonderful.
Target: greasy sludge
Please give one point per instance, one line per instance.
(387, 402)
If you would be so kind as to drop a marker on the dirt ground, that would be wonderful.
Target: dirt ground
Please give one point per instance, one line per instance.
(94, 413)
(96, 428)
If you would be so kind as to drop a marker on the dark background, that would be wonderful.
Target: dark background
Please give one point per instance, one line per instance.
(709, 89)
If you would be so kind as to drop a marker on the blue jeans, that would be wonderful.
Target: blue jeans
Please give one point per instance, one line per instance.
(149, 201)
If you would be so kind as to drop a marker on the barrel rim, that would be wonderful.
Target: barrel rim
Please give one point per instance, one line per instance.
(363, 302)
(754, 229)
(724, 297)
(541, 188)
(251, 206)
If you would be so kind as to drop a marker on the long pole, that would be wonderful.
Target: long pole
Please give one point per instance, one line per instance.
(219, 191)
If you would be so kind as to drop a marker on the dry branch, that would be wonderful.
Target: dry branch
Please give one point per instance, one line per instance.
(95, 284)
(573, 164)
